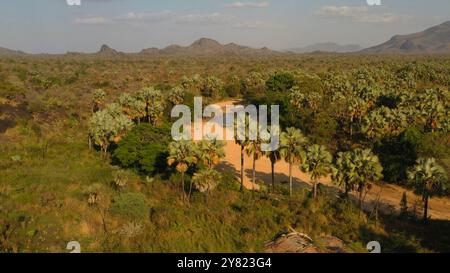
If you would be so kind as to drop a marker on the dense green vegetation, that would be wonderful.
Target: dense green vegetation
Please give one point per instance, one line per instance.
(135, 190)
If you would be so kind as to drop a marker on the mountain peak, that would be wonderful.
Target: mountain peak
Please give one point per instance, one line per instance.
(105, 49)
(205, 42)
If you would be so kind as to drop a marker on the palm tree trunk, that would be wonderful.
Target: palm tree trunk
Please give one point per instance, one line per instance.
(361, 192)
(347, 189)
(351, 126)
(290, 178)
(254, 172)
(273, 176)
(190, 191)
(425, 209)
(182, 186)
(242, 168)
(315, 189)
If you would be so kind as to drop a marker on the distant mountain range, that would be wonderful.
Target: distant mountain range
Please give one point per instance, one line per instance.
(435, 40)
(9, 52)
(205, 46)
(326, 47)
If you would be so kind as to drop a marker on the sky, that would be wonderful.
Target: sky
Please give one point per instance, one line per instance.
(54, 26)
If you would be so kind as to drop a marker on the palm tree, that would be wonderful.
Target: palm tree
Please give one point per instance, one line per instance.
(354, 170)
(154, 103)
(253, 149)
(273, 155)
(132, 106)
(107, 126)
(292, 143)
(206, 180)
(428, 179)
(176, 95)
(182, 154)
(97, 100)
(210, 151)
(242, 125)
(317, 162)
(356, 109)
(344, 172)
(367, 168)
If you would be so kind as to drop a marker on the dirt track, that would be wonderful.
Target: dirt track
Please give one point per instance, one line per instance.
(390, 195)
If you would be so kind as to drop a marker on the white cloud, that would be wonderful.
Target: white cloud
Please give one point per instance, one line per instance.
(147, 16)
(209, 18)
(249, 5)
(361, 14)
(92, 20)
(257, 25)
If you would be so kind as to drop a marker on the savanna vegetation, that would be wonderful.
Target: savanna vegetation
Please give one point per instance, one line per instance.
(86, 152)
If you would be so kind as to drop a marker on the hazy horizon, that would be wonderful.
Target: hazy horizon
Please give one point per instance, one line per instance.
(52, 26)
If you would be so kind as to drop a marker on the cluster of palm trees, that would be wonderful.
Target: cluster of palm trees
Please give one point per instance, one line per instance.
(201, 156)
(209, 86)
(358, 99)
(353, 169)
(109, 122)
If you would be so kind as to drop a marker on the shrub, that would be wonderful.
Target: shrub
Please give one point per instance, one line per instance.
(144, 149)
(131, 206)
(280, 81)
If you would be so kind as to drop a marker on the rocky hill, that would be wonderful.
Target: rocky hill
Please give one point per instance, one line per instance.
(435, 40)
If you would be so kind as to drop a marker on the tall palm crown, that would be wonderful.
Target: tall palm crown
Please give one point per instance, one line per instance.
(368, 165)
(210, 151)
(428, 179)
(317, 161)
(291, 144)
(183, 154)
(344, 172)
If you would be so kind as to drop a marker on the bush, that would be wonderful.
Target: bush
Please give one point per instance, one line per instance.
(398, 154)
(280, 81)
(144, 149)
(131, 206)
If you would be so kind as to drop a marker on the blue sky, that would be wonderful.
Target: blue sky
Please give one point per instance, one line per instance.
(130, 25)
